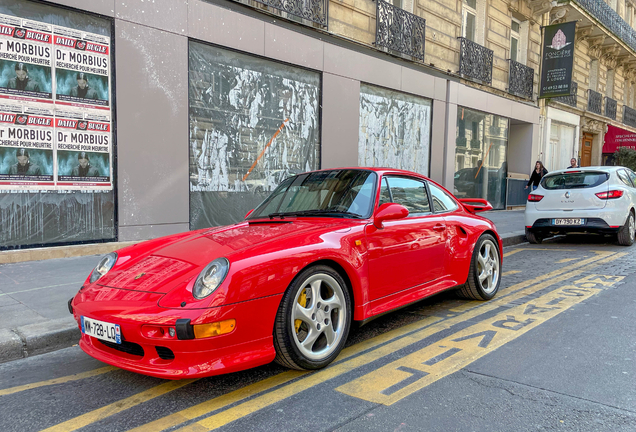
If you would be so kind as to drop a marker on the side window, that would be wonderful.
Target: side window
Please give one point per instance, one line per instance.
(442, 202)
(410, 193)
(632, 177)
(385, 195)
(622, 175)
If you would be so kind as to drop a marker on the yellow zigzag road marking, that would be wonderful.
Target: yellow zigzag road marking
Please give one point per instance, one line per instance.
(420, 329)
(116, 407)
(60, 380)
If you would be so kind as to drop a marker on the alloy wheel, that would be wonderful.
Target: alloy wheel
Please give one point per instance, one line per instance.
(488, 266)
(318, 316)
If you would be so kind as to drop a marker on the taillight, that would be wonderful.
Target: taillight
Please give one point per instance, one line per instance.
(535, 198)
(610, 195)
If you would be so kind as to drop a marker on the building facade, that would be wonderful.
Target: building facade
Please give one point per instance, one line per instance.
(212, 103)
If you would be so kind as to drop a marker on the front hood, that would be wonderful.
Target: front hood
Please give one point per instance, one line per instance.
(180, 261)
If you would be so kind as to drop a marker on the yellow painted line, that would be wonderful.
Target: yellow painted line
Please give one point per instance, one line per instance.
(60, 380)
(564, 260)
(512, 252)
(119, 406)
(415, 371)
(218, 402)
(511, 272)
(316, 378)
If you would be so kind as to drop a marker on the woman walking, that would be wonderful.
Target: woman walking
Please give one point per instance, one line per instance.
(537, 174)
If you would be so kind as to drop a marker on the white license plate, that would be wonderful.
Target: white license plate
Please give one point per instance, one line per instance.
(568, 221)
(101, 330)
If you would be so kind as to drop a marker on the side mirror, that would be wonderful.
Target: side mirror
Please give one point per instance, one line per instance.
(389, 211)
(474, 205)
(248, 213)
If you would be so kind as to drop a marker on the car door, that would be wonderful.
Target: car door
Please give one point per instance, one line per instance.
(444, 205)
(406, 252)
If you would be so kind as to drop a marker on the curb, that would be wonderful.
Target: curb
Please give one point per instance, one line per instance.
(43, 337)
(37, 254)
(38, 338)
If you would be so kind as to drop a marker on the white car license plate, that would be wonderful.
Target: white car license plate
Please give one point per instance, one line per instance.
(101, 330)
(568, 221)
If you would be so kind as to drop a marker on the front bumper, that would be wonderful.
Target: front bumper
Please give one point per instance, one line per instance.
(249, 345)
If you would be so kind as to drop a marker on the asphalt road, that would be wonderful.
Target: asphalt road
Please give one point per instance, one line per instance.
(554, 351)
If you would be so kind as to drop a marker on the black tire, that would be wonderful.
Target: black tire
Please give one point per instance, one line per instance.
(486, 249)
(326, 311)
(626, 232)
(532, 237)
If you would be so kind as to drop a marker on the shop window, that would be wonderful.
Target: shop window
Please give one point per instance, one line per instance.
(253, 123)
(53, 190)
(395, 129)
(484, 160)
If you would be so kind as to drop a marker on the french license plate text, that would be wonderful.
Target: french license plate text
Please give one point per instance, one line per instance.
(568, 221)
(101, 330)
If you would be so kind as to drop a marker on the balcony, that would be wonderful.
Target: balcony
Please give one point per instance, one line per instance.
(610, 108)
(569, 100)
(629, 116)
(594, 102)
(311, 10)
(611, 20)
(520, 80)
(475, 61)
(399, 30)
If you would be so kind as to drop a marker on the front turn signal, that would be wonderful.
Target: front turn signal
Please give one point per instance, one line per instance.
(214, 329)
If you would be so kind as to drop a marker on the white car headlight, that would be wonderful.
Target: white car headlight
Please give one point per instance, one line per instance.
(104, 266)
(210, 278)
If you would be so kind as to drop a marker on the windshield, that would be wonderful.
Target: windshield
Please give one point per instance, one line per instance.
(573, 180)
(335, 193)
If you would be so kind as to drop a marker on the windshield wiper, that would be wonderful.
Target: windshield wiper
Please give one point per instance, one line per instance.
(315, 213)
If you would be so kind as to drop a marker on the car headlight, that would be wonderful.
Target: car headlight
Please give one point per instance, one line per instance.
(210, 278)
(104, 266)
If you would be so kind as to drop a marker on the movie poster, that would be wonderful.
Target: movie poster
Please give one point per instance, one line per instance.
(55, 110)
(26, 150)
(25, 60)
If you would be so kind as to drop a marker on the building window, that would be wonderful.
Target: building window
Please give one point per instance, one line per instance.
(481, 164)
(609, 88)
(515, 38)
(395, 129)
(469, 19)
(594, 75)
(253, 123)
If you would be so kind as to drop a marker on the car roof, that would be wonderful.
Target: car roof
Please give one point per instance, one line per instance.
(607, 169)
(379, 170)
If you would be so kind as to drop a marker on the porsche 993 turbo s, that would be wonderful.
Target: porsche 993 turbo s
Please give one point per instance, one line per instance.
(325, 248)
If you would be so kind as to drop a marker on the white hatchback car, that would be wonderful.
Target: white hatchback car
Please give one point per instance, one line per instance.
(591, 199)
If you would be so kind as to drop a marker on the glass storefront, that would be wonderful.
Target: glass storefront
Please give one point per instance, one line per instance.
(481, 156)
(253, 123)
(395, 130)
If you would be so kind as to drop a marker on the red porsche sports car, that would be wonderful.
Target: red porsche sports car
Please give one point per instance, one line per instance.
(325, 248)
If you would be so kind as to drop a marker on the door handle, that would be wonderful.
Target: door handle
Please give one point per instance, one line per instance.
(439, 227)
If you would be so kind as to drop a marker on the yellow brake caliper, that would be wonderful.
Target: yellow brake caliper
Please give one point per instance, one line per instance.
(302, 300)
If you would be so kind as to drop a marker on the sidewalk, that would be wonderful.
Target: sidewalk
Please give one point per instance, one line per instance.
(34, 316)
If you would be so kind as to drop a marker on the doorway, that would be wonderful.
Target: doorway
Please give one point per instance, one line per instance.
(586, 150)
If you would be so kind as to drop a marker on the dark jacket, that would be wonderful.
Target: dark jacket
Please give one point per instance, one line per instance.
(535, 178)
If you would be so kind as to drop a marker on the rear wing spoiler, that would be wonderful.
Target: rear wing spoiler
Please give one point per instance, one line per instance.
(474, 205)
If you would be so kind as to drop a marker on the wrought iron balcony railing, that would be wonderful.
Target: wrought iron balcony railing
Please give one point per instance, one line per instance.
(595, 102)
(520, 80)
(312, 10)
(611, 20)
(475, 61)
(569, 100)
(399, 30)
(629, 116)
(610, 108)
